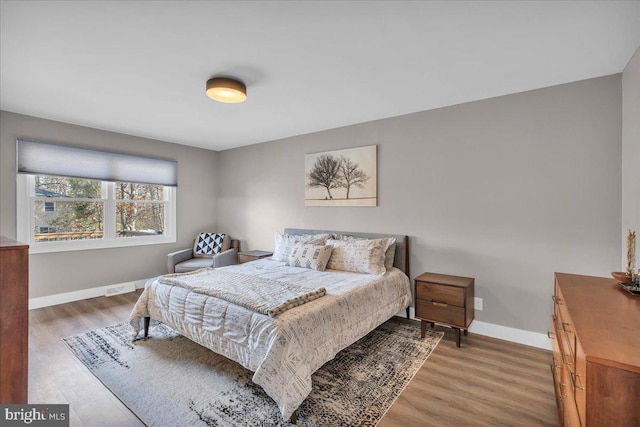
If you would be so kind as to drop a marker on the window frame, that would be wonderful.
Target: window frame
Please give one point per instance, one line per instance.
(52, 203)
(25, 220)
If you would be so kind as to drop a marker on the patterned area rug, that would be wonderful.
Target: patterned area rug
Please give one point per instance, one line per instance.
(169, 380)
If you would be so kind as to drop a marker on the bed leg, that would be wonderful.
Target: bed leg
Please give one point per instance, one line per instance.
(408, 313)
(294, 417)
(147, 320)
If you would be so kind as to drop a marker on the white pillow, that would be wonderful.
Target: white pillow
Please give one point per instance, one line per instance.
(308, 255)
(389, 254)
(359, 256)
(285, 242)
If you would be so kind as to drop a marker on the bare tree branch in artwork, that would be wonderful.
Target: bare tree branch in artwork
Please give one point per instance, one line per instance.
(351, 175)
(325, 173)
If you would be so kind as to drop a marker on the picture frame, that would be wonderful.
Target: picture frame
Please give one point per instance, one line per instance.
(346, 177)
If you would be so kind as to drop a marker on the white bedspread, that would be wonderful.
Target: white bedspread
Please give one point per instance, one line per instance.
(284, 351)
(255, 293)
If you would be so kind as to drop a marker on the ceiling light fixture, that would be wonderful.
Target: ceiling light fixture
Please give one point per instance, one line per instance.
(227, 90)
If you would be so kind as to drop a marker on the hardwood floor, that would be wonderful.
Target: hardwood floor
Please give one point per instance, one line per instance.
(57, 376)
(486, 382)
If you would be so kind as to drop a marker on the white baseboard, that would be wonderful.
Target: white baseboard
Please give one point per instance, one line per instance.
(520, 336)
(100, 291)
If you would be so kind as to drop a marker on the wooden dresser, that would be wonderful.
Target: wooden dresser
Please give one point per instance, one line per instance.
(14, 320)
(596, 352)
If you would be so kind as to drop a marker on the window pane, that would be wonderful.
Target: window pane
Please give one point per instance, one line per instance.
(139, 219)
(131, 191)
(56, 186)
(68, 220)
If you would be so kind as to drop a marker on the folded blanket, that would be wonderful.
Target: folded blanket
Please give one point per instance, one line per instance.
(258, 294)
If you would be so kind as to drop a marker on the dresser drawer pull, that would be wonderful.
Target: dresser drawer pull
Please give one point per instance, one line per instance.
(561, 386)
(440, 304)
(556, 300)
(573, 384)
(575, 381)
(564, 359)
(550, 335)
(553, 374)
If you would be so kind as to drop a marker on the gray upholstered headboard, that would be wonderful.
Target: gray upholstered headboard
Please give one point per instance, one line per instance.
(401, 259)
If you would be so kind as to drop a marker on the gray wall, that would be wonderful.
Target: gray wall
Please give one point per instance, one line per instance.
(631, 152)
(507, 190)
(55, 273)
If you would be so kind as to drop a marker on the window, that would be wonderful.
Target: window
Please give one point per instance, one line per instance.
(72, 198)
(139, 209)
(63, 213)
(65, 208)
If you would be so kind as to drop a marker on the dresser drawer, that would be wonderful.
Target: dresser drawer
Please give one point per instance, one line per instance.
(556, 387)
(564, 322)
(571, 418)
(556, 366)
(439, 312)
(566, 355)
(579, 382)
(450, 295)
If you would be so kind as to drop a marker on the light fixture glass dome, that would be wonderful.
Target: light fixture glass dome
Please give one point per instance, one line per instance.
(226, 90)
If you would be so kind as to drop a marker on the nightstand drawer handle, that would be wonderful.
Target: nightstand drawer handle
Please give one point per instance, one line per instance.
(440, 304)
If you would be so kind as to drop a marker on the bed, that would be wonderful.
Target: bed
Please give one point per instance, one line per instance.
(283, 351)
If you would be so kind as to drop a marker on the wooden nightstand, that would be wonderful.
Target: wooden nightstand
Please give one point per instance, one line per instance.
(252, 256)
(445, 299)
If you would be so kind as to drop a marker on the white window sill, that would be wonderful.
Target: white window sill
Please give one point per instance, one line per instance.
(83, 245)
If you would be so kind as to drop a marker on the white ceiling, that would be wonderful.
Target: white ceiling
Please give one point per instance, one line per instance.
(140, 67)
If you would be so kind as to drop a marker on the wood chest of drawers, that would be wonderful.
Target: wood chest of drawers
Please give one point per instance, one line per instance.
(444, 299)
(596, 352)
(14, 320)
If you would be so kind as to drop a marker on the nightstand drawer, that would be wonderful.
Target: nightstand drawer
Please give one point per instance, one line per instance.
(450, 295)
(245, 258)
(439, 312)
(252, 256)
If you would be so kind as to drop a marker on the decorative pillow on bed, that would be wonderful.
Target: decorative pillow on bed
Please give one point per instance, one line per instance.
(359, 256)
(209, 244)
(308, 255)
(285, 242)
(389, 254)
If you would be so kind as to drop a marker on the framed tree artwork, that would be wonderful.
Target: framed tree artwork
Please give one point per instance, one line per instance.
(342, 177)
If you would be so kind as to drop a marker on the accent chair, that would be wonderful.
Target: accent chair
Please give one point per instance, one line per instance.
(209, 250)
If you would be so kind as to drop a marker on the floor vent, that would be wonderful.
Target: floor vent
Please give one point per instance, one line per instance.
(120, 289)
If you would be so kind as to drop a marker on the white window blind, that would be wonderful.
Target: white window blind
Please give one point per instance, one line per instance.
(39, 158)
